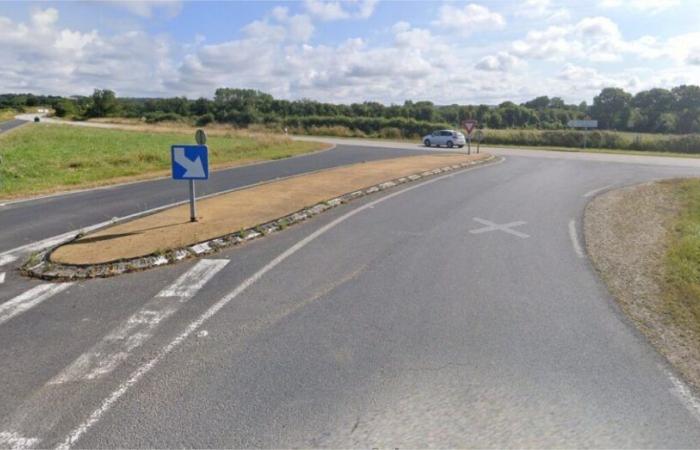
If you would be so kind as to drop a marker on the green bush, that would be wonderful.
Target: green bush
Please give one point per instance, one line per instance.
(205, 119)
(689, 143)
(390, 133)
(163, 117)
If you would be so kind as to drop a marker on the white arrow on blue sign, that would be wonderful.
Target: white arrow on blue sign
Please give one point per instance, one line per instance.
(190, 162)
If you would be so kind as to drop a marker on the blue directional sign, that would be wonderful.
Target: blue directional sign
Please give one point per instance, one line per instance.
(190, 162)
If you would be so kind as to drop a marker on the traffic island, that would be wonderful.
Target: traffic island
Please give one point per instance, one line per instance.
(168, 236)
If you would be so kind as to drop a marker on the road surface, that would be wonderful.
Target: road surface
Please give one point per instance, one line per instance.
(10, 124)
(25, 222)
(458, 311)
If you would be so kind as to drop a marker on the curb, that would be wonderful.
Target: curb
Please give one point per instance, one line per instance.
(40, 265)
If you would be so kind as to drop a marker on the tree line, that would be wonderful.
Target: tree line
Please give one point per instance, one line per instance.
(657, 110)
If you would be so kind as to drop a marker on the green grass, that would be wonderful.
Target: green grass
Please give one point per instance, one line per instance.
(682, 262)
(7, 114)
(43, 158)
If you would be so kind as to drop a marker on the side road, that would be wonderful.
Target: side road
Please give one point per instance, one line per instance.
(529, 152)
(11, 125)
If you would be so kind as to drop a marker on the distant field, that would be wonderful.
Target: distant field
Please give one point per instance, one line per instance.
(44, 158)
(552, 139)
(613, 140)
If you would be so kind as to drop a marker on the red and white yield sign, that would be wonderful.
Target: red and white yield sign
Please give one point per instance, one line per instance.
(469, 125)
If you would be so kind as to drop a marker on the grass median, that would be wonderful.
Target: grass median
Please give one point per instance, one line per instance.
(45, 158)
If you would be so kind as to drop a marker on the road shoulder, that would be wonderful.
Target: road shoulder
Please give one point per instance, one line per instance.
(628, 234)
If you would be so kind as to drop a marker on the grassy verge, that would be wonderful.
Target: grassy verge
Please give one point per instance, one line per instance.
(682, 261)
(44, 158)
(7, 114)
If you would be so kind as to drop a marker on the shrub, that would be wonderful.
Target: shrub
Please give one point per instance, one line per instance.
(390, 133)
(163, 117)
(205, 119)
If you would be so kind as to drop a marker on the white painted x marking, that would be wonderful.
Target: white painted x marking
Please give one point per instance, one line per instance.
(506, 227)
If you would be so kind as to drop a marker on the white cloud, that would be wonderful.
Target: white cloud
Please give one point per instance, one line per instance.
(337, 10)
(297, 27)
(417, 38)
(543, 10)
(42, 57)
(280, 53)
(591, 38)
(43, 20)
(645, 6)
(469, 18)
(501, 62)
(147, 8)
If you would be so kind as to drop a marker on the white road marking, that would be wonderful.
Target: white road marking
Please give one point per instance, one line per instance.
(595, 191)
(506, 227)
(574, 239)
(114, 348)
(2, 277)
(7, 259)
(29, 299)
(12, 440)
(139, 373)
(683, 393)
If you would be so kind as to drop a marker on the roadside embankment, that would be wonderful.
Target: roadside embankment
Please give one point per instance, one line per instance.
(644, 241)
(230, 218)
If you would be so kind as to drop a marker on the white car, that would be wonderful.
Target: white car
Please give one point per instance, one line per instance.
(448, 138)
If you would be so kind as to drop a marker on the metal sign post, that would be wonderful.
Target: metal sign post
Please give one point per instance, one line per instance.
(191, 162)
(479, 137)
(585, 124)
(469, 125)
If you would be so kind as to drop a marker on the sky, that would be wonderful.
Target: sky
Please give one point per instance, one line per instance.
(350, 51)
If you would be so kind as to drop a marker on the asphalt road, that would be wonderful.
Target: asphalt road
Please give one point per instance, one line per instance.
(10, 124)
(448, 313)
(25, 222)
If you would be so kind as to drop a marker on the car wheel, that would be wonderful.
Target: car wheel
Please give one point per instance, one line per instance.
(450, 144)
(427, 142)
(460, 146)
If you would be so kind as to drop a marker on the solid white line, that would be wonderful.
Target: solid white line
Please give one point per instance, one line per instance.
(29, 299)
(595, 191)
(139, 373)
(116, 347)
(2, 277)
(574, 239)
(683, 393)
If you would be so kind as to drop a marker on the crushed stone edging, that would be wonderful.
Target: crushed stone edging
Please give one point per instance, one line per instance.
(40, 266)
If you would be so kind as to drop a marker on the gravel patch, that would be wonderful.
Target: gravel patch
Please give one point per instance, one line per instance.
(626, 233)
